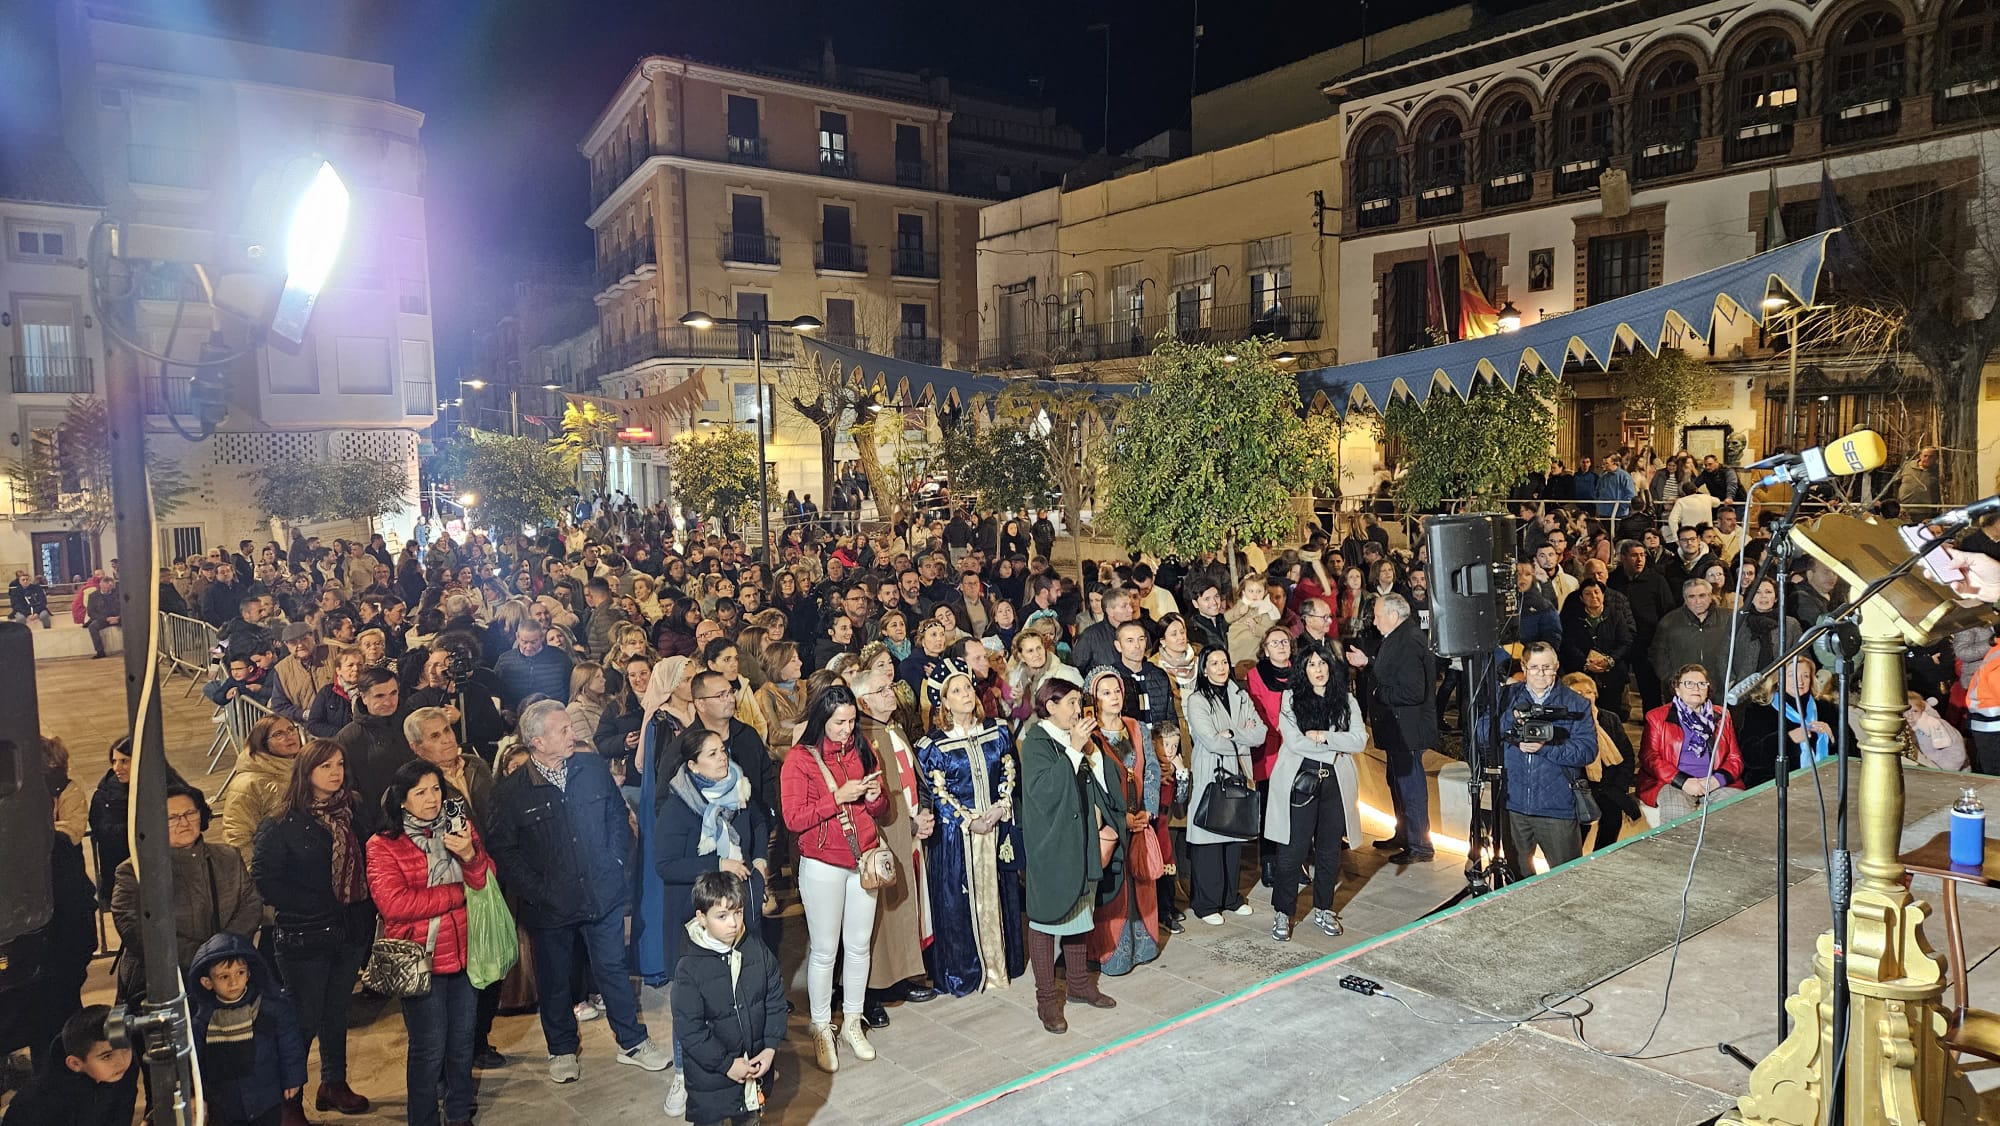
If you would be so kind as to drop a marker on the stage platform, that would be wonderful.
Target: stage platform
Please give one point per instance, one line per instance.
(1299, 1049)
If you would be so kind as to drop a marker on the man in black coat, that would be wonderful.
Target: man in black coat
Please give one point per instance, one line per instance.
(1651, 599)
(1597, 634)
(220, 600)
(373, 740)
(1403, 717)
(1098, 645)
(715, 710)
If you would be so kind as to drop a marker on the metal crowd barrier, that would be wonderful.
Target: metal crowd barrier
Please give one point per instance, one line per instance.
(233, 722)
(188, 645)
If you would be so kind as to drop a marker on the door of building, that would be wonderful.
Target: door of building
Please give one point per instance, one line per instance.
(61, 556)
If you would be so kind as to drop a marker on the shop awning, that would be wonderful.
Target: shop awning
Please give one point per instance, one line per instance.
(1729, 295)
(908, 383)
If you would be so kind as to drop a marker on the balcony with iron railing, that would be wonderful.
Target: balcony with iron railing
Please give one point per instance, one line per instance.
(1759, 133)
(1665, 149)
(623, 261)
(1865, 112)
(846, 257)
(754, 248)
(169, 394)
(1968, 89)
(913, 173)
(682, 342)
(914, 262)
(920, 349)
(835, 162)
(166, 167)
(419, 397)
(748, 150)
(1292, 318)
(52, 375)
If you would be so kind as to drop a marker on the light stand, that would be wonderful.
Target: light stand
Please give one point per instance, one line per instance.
(758, 326)
(1486, 859)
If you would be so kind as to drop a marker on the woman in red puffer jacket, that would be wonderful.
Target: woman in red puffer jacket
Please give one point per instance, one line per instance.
(419, 868)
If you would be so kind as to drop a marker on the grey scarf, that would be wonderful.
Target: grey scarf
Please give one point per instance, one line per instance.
(429, 837)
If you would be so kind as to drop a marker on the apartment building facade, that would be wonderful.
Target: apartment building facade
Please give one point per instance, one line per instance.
(767, 197)
(1587, 154)
(169, 129)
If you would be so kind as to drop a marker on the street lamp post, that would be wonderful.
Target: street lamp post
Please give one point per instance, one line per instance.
(696, 319)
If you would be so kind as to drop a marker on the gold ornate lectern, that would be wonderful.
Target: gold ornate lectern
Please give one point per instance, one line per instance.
(1898, 1068)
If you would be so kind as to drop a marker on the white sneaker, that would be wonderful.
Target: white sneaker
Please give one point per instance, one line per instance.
(677, 1097)
(1212, 920)
(563, 1069)
(647, 1055)
(1244, 908)
(585, 1011)
(597, 1002)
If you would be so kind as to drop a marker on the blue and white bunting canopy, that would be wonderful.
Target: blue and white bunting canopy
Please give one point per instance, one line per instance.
(1725, 295)
(907, 383)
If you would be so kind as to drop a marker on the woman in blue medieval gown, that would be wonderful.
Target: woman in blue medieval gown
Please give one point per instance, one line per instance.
(969, 765)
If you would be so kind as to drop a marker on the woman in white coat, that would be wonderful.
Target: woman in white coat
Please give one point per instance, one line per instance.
(1314, 789)
(1224, 727)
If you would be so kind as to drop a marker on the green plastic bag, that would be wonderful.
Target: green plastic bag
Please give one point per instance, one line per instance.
(491, 946)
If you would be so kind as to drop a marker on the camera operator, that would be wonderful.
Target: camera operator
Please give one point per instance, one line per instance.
(1541, 807)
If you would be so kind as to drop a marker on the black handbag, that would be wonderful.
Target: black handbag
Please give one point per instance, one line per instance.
(1229, 807)
(1586, 802)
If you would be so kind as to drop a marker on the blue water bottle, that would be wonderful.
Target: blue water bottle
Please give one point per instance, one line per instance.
(1968, 830)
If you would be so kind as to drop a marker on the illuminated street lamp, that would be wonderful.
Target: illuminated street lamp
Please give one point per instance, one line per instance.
(698, 320)
(1510, 318)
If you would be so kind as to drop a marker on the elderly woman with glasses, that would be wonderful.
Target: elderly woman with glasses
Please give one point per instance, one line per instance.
(1690, 750)
(256, 789)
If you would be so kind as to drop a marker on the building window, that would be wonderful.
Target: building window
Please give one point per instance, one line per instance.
(1192, 309)
(913, 258)
(1583, 134)
(1406, 322)
(833, 144)
(1865, 79)
(746, 240)
(1969, 63)
(362, 363)
(840, 321)
(1440, 166)
(1619, 265)
(1510, 153)
(1073, 313)
(1378, 181)
(913, 338)
(1270, 282)
(412, 282)
(1763, 100)
(836, 231)
(746, 141)
(1669, 119)
(1128, 309)
(911, 171)
(40, 242)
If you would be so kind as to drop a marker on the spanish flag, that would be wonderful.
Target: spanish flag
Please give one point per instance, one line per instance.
(1476, 315)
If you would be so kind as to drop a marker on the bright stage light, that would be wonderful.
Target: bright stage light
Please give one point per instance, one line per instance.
(312, 244)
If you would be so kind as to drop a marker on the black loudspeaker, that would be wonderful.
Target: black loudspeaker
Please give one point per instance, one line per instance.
(27, 814)
(1472, 581)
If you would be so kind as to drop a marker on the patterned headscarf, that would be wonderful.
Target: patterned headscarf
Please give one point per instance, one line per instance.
(667, 676)
(937, 684)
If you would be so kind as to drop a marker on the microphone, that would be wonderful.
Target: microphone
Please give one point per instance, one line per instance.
(1967, 514)
(1859, 452)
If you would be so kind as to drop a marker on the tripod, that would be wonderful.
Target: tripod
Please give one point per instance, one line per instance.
(1486, 860)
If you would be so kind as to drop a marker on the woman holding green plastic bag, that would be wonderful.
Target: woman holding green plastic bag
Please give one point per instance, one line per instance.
(468, 785)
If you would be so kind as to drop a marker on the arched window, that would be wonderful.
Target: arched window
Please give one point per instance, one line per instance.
(1510, 165)
(1669, 119)
(1763, 99)
(1969, 61)
(1583, 134)
(1440, 166)
(1865, 78)
(1378, 180)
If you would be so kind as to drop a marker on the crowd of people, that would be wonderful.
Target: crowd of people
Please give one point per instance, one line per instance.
(967, 762)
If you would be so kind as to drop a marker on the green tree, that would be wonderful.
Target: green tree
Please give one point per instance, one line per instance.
(302, 492)
(67, 478)
(1213, 453)
(1472, 451)
(1670, 383)
(1072, 424)
(1004, 463)
(516, 482)
(716, 474)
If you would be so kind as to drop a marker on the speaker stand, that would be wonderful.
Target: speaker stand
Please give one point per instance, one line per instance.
(1486, 861)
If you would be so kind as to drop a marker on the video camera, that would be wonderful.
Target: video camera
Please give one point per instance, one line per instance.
(1536, 723)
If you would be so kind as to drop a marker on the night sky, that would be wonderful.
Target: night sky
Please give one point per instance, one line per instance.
(508, 87)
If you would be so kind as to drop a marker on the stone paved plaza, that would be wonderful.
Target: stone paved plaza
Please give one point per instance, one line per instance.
(931, 1056)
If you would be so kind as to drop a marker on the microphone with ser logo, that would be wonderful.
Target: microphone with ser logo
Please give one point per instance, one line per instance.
(1859, 452)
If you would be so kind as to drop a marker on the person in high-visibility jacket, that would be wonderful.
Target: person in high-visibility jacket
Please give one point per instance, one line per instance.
(1983, 705)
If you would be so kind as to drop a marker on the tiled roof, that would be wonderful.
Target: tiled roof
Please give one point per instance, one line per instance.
(41, 170)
